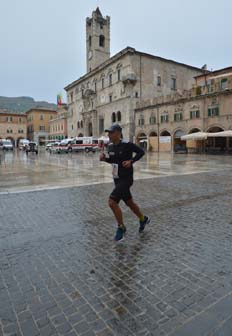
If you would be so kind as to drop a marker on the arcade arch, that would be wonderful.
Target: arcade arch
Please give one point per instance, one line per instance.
(142, 140)
(194, 130)
(177, 142)
(153, 141)
(215, 144)
(165, 141)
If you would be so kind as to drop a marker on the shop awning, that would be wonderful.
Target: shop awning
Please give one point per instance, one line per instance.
(204, 135)
(195, 136)
(220, 134)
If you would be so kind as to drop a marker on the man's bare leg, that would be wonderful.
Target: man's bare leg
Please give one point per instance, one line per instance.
(143, 220)
(135, 208)
(117, 211)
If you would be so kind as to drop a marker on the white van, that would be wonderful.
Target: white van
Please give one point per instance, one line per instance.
(87, 144)
(6, 144)
(79, 144)
(65, 146)
(23, 143)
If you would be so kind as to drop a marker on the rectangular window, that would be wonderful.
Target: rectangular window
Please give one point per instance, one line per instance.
(110, 79)
(41, 117)
(141, 122)
(173, 83)
(213, 111)
(224, 84)
(194, 114)
(42, 128)
(119, 74)
(95, 86)
(152, 120)
(103, 83)
(101, 125)
(158, 80)
(178, 117)
(164, 118)
(110, 98)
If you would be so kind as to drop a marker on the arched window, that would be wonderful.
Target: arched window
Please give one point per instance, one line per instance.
(78, 124)
(119, 116)
(102, 41)
(81, 124)
(113, 117)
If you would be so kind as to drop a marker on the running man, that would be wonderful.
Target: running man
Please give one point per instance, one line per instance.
(121, 157)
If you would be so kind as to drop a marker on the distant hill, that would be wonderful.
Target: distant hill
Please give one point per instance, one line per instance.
(23, 104)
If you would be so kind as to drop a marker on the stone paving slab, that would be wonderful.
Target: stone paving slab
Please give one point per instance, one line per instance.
(214, 321)
(61, 274)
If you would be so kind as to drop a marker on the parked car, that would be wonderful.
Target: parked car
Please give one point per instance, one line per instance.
(49, 145)
(23, 144)
(54, 148)
(181, 149)
(6, 144)
(32, 147)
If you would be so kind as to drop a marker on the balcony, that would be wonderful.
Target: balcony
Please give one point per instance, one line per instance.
(129, 79)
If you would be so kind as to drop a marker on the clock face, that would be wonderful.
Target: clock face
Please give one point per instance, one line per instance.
(90, 54)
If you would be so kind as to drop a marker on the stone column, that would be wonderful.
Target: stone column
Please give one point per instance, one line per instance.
(95, 123)
(131, 111)
(86, 125)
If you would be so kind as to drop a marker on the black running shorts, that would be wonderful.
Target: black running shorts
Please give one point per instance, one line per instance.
(122, 190)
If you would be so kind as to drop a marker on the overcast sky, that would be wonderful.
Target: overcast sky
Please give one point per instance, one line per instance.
(43, 41)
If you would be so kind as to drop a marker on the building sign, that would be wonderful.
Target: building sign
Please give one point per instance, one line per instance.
(165, 139)
(103, 99)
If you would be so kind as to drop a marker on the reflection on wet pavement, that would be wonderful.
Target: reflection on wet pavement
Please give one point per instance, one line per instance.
(19, 172)
(61, 273)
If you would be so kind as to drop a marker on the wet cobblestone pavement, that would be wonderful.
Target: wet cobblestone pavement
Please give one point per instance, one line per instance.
(61, 273)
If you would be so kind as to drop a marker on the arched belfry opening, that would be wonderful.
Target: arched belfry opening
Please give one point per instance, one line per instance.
(102, 41)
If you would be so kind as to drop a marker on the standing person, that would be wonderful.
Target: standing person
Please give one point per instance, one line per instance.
(122, 160)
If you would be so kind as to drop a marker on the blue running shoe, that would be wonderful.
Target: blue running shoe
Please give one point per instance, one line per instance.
(143, 223)
(121, 230)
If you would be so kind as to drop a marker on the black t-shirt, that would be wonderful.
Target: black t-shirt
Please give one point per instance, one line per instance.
(124, 151)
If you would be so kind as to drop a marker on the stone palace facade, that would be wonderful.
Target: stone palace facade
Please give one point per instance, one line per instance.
(113, 86)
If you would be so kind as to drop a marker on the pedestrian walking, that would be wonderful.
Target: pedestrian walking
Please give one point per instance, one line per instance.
(121, 156)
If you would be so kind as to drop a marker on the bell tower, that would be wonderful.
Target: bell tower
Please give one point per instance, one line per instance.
(97, 40)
